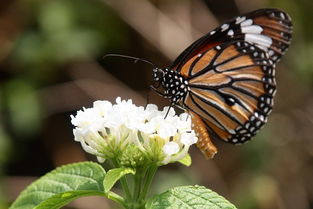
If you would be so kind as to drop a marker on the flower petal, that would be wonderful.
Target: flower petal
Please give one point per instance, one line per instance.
(170, 148)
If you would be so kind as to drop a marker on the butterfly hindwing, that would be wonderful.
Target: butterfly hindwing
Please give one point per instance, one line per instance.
(231, 88)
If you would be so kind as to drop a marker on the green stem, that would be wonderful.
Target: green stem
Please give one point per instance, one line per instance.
(123, 182)
(125, 187)
(149, 177)
(137, 184)
(116, 198)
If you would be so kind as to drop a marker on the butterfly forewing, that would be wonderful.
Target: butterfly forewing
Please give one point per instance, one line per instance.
(231, 89)
(267, 29)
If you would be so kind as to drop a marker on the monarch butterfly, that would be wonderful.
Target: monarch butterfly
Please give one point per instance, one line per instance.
(226, 79)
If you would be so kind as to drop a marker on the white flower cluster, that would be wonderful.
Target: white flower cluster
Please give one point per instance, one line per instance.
(107, 129)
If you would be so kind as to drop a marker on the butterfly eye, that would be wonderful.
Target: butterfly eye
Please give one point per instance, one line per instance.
(157, 74)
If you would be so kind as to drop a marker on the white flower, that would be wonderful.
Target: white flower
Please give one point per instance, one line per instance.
(170, 148)
(107, 131)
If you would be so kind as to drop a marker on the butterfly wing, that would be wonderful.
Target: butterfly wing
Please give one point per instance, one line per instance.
(231, 87)
(268, 29)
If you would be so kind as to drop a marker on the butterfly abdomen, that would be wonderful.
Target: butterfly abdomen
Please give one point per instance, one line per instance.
(204, 143)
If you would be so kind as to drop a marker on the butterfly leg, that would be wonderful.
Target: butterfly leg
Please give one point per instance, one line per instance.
(163, 95)
(204, 142)
(168, 110)
(179, 107)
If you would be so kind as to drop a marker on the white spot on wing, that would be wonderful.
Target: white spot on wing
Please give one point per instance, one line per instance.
(271, 91)
(231, 131)
(240, 19)
(243, 131)
(256, 29)
(255, 54)
(271, 52)
(246, 23)
(259, 39)
(224, 27)
(261, 118)
(230, 33)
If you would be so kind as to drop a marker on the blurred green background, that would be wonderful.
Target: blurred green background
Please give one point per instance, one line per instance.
(51, 65)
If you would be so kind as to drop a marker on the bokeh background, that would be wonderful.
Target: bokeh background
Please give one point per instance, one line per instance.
(51, 65)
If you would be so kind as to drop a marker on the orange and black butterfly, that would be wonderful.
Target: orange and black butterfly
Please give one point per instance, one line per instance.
(226, 79)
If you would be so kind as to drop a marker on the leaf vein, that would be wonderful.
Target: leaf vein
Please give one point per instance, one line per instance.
(79, 176)
(58, 182)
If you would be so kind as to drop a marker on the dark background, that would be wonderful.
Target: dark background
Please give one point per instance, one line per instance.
(51, 65)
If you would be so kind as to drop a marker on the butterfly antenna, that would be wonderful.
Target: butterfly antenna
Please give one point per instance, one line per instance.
(136, 59)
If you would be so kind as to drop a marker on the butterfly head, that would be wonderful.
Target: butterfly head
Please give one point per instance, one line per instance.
(157, 75)
(175, 86)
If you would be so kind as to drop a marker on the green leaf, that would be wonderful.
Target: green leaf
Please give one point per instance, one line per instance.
(61, 186)
(186, 160)
(189, 197)
(59, 200)
(114, 175)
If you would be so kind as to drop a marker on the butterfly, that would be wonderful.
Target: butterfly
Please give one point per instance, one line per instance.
(226, 79)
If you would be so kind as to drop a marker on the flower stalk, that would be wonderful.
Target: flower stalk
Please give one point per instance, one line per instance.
(148, 180)
(123, 182)
(142, 182)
